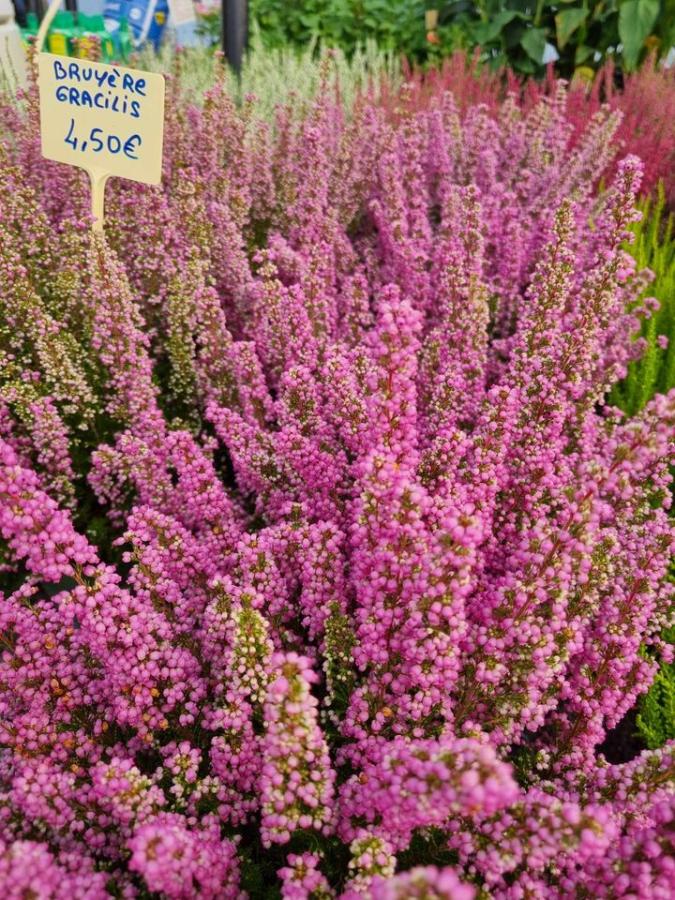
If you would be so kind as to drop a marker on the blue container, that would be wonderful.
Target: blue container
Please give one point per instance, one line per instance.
(147, 19)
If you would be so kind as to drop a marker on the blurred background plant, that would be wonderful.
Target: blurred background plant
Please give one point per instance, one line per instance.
(575, 34)
(393, 24)
(523, 34)
(281, 75)
(208, 23)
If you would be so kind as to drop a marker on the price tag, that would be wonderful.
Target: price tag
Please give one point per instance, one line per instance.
(106, 119)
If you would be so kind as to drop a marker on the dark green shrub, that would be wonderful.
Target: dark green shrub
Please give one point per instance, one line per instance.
(523, 34)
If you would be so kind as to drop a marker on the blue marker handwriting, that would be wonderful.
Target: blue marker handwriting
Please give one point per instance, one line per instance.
(98, 140)
(104, 89)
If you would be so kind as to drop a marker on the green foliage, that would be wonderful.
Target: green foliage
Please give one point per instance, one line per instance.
(523, 34)
(656, 719)
(636, 20)
(395, 25)
(339, 23)
(654, 249)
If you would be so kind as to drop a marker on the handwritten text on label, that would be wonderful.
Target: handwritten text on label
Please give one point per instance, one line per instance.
(102, 117)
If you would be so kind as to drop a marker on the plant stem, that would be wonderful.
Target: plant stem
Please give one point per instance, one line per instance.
(538, 13)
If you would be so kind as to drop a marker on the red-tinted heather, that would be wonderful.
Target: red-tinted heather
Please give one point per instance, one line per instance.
(645, 99)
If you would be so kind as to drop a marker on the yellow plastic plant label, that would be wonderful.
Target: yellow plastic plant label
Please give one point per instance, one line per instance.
(106, 119)
(98, 116)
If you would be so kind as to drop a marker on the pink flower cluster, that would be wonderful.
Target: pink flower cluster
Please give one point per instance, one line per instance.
(325, 564)
(646, 100)
(178, 862)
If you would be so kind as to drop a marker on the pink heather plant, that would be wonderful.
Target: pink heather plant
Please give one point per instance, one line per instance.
(428, 882)
(301, 878)
(646, 101)
(296, 781)
(326, 568)
(178, 862)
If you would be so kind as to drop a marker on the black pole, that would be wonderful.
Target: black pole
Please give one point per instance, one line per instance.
(234, 14)
(20, 13)
(71, 6)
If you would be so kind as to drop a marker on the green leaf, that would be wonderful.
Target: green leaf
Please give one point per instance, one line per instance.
(567, 22)
(525, 66)
(484, 32)
(309, 20)
(636, 18)
(581, 54)
(533, 43)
